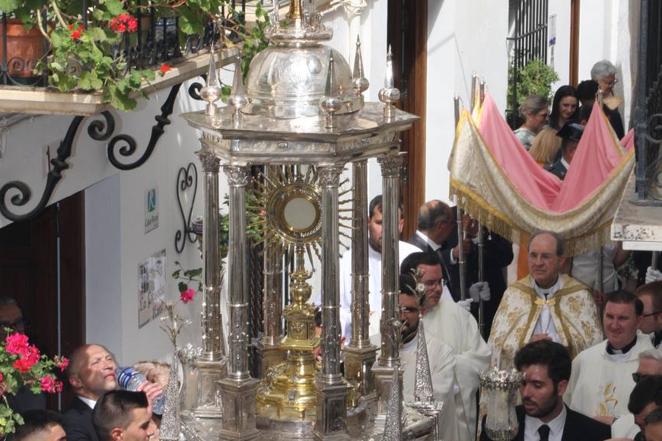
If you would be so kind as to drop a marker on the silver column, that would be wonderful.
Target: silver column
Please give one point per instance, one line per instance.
(238, 388)
(211, 362)
(331, 388)
(268, 346)
(391, 170)
(360, 354)
(388, 360)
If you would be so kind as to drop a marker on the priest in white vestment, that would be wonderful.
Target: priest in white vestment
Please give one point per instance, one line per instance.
(601, 380)
(457, 355)
(544, 305)
(374, 267)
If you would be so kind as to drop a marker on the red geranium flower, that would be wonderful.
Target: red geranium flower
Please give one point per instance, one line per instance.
(124, 22)
(165, 68)
(187, 295)
(16, 343)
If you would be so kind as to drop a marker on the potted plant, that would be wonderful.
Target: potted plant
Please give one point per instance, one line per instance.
(21, 365)
(93, 54)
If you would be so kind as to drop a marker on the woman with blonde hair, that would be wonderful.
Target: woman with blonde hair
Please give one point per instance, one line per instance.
(535, 111)
(545, 146)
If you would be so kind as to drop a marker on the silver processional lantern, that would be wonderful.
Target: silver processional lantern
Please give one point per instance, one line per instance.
(302, 106)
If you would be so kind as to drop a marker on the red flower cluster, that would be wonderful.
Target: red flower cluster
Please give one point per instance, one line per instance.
(17, 344)
(187, 295)
(49, 384)
(76, 30)
(165, 67)
(124, 22)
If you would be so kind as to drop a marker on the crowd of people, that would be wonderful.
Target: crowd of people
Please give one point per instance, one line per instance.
(590, 352)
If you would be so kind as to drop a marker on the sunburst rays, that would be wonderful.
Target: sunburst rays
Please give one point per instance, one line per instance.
(279, 186)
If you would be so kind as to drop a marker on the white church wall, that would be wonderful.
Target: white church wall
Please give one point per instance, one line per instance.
(462, 40)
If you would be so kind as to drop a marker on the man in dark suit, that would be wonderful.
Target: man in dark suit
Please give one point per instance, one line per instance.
(543, 416)
(570, 133)
(498, 254)
(436, 222)
(91, 373)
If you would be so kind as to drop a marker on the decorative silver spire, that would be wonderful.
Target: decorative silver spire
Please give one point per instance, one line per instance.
(389, 94)
(238, 99)
(275, 18)
(393, 426)
(358, 79)
(330, 103)
(422, 377)
(212, 91)
(171, 422)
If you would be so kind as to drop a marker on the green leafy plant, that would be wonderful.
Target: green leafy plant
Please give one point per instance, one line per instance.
(22, 365)
(535, 78)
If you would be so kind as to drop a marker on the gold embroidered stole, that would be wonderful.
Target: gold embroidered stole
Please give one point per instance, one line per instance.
(571, 286)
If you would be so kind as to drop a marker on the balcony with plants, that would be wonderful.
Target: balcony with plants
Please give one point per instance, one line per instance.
(81, 57)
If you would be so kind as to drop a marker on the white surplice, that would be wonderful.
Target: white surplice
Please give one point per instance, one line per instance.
(601, 383)
(458, 355)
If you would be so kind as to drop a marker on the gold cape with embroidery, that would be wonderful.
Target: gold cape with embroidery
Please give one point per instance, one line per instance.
(572, 310)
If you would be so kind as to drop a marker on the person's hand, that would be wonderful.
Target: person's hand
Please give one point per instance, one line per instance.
(152, 390)
(480, 291)
(605, 419)
(653, 275)
(466, 248)
(542, 336)
(465, 304)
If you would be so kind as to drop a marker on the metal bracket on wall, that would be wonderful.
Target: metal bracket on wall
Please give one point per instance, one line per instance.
(129, 147)
(99, 130)
(187, 178)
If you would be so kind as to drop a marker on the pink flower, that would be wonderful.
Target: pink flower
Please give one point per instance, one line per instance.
(16, 343)
(62, 363)
(187, 295)
(48, 384)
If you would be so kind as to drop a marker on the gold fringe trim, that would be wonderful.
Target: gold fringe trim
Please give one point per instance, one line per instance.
(499, 222)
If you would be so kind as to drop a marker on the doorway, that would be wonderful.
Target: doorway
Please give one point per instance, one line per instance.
(42, 266)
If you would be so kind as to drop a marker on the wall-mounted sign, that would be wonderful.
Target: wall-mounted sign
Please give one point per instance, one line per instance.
(151, 287)
(151, 209)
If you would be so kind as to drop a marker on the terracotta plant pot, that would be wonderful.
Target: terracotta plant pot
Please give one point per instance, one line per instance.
(24, 49)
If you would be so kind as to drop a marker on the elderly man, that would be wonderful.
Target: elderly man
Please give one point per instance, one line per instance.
(601, 380)
(650, 295)
(457, 355)
(122, 415)
(543, 415)
(374, 266)
(545, 305)
(91, 373)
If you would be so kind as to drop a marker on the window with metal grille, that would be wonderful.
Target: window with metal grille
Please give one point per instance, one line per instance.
(527, 41)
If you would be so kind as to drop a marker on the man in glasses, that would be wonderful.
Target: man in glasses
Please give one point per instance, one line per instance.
(457, 355)
(650, 295)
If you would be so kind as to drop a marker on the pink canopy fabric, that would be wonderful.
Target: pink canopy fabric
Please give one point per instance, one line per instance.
(598, 154)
